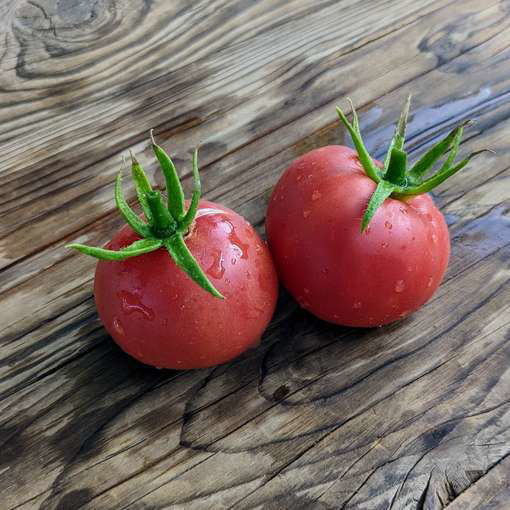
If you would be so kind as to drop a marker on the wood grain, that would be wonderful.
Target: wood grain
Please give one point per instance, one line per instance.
(413, 415)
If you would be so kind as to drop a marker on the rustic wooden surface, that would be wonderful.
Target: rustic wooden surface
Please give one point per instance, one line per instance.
(413, 415)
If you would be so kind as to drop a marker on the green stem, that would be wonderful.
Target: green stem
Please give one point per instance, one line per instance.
(163, 223)
(396, 172)
(166, 224)
(397, 180)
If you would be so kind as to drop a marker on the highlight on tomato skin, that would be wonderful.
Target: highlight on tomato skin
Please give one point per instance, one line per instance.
(188, 284)
(359, 242)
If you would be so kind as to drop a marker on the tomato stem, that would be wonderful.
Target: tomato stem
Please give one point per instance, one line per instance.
(397, 163)
(165, 224)
(396, 180)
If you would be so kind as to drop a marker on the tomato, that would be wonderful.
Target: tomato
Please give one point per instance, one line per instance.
(189, 284)
(357, 242)
(160, 316)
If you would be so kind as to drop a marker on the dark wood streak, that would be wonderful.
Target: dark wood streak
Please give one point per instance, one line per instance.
(415, 415)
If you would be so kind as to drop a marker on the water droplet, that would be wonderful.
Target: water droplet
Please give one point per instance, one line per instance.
(316, 195)
(258, 248)
(336, 316)
(239, 247)
(117, 326)
(306, 214)
(403, 210)
(409, 268)
(282, 197)
(429, 283)
(325, 270)
(388, 225)
(306, 291)
(131, 303)
(217, 268)
(400, 285)
(299, 178)
(357, 305)
(434, 238)
(385, 245)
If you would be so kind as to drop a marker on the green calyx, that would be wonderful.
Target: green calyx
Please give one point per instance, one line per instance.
(395, 179)
(167, 223)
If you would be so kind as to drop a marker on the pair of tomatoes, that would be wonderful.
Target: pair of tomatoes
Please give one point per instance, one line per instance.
(356, 242)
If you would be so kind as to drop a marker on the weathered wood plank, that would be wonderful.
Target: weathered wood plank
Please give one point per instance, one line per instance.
(408, 416)
(216, 91)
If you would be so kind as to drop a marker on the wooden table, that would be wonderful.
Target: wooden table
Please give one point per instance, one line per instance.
(413, 415)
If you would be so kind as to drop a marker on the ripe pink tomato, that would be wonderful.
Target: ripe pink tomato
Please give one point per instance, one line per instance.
(160, 316)
(333, 269)
(358, 242)
(189, 284)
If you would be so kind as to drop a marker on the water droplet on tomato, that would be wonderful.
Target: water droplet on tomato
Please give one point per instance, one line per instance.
(217, 267)
(400, 285)
(306, 291)
(316, 195)
(429, 283)
(409, 268)
(357, 305)
(299, 178)
(385, 244)
(306, 214)
(403, 210)
(131, 303)
(325, 270)
(388, 225)
(336, 316)
(258, 248)
(434, 238)
(117, 326)
(240, 247)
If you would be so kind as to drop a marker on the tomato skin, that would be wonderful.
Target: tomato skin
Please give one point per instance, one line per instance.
(158, 315)
(338, 273)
